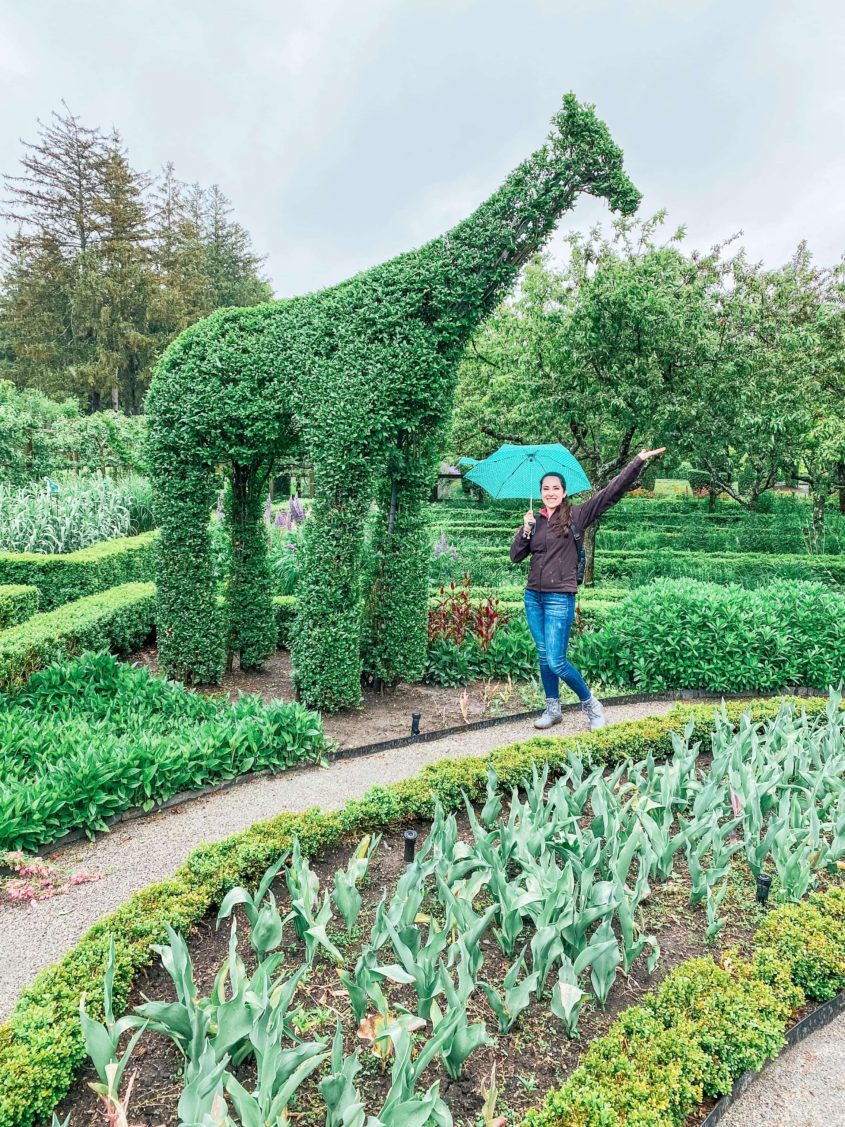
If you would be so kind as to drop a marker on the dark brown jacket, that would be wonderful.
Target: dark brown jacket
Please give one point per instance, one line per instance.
(554, 559)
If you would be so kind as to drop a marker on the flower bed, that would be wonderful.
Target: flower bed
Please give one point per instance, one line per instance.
(91, 738)
(518, 918)
(41, 1045)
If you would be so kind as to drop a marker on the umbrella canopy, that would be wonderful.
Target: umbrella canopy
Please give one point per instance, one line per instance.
(515, 471)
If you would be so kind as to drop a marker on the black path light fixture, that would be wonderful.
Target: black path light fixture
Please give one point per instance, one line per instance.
(764, 883)
(415, 723)
(410, 837)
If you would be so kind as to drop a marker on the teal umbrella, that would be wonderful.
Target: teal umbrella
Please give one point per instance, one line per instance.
(515, 471)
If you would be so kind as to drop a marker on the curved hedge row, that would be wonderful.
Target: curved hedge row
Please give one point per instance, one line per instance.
(41, 1044)
(119, 619)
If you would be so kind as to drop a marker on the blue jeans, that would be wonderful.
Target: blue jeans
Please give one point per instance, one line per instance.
(550, 616)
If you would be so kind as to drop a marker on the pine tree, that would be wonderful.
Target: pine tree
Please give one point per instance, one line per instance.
(107, 266)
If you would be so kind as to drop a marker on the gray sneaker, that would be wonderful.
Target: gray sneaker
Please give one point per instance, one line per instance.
(551, 715)
(594, 712)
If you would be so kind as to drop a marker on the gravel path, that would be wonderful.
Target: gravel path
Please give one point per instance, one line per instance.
(138, 853)
(804, 1087)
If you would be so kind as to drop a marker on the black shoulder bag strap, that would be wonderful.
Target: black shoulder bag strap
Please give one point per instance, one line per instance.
(582, 555)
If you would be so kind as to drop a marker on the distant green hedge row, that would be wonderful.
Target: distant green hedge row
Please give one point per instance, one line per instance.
(17, 603)
(41, 1044)
(636, 568)
(118, 619)
(63, 579)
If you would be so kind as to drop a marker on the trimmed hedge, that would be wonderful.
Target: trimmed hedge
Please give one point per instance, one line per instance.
(63, 579)
(747, 568)
(118, 619)
(41, 1045)
(17, 603)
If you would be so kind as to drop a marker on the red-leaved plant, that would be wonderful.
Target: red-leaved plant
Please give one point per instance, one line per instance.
(450, 619)
(454, 616)
(486, 620)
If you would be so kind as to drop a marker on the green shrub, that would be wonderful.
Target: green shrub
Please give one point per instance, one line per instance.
(284, 608)
(61, 579)
(677, 634)
(92, 738)
(739, 1019)
(119, 619)
(811, 943)
(17, 603)
(41, 1044)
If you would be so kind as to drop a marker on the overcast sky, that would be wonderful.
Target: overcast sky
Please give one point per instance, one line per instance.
(346, 131)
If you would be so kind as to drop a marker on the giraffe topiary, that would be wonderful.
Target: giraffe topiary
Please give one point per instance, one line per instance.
(362, 375)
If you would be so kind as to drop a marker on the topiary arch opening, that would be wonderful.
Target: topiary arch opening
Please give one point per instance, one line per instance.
(362, 375)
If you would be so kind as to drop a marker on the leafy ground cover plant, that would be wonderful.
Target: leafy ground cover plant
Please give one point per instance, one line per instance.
(574, 853)
(90, 738)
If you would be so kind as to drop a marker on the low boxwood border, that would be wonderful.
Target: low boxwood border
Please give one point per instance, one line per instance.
(41, 1045)
(18, 602)
(62, 579)
(118, 619)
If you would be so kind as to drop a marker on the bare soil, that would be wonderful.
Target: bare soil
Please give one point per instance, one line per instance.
(383, 715)
(535, 1057)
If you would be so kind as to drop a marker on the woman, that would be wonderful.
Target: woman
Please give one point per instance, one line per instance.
(553, 581)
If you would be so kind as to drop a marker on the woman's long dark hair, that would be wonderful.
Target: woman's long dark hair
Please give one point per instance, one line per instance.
(561, 522)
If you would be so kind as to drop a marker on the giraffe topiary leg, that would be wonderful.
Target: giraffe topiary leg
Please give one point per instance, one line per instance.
(396, 610)
(326, 649)
(249, 598)
(191, 630)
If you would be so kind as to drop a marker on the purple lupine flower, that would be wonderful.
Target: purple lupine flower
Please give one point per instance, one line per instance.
(297, 509)
(280, 519)
(442, 547)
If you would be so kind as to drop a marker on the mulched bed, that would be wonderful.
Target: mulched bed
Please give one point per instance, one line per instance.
(535, 1057)
(383, 715)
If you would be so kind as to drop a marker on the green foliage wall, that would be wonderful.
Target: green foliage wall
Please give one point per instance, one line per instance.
(362, 375)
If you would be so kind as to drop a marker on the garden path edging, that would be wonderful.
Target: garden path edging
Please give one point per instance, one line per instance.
(814, 1021)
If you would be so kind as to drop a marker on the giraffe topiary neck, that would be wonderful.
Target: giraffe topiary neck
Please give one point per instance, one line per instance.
(477, 262)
